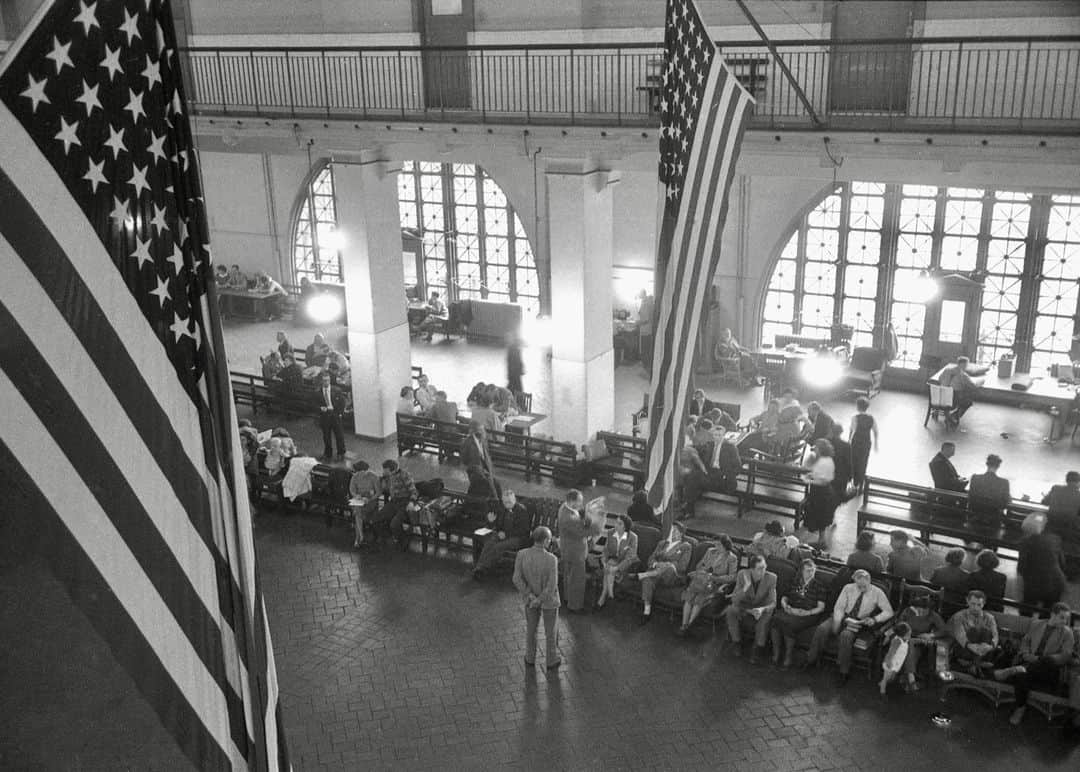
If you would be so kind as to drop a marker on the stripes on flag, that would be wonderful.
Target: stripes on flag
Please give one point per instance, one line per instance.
(119, 424)
(704, 110)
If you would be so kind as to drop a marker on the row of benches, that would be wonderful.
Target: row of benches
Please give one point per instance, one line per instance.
(938, 517)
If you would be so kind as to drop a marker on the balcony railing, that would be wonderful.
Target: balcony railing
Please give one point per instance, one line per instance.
(941, 84)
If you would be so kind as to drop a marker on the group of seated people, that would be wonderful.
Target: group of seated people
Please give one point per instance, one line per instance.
(280, 365)
(277, 442)
(489, 405)
(427, 317)
(235, 279)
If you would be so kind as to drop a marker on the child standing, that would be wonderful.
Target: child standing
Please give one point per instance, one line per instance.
(893, 662)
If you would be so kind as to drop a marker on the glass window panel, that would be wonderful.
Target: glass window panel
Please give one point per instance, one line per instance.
(997, 332)
(959, 254)
(917, 215)
(498, 279)
(923, 191)
(1007, 195)
(868, 189)
(822, 244)
(408, 264)
(530, 306)
(964, 192)
(465, 190)
(431, 188)
(495, 221)
(866, 212)
(864, 247)
(860, 281)
(433, 218)
(408, 166)
(523, 255)
(914, 250)
(1057, 298)
(826, 214)
(468, 248)
(435, 273)
(1053, 334)
(465, 219)
(434, 246)
(465, 170)
(408, 214)
(1061, 261)
(1005, 258)
(406, 186)
(519, 229)
(1001, 293)
(783, 277)
(769, 331)
(779, 307)
(951, 329)
(859, 313)
(430, 167)
(817, 311)
(526, 281)
(1064, 221)
(497, 250)
(962, 218)
(791, 249)
(493, 194)
(1010, 220)
(820, 278)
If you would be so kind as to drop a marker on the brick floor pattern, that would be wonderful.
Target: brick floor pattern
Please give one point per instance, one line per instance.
(401, 661)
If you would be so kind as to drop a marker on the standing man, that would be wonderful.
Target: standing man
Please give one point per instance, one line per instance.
(536, 577)
(1063, 519)
(575, 529)
(944, 473)
(331, 407)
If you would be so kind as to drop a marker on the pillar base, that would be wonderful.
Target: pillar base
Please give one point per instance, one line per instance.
(583, 399)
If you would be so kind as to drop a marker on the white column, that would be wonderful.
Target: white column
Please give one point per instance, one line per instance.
(579, 211)
(368, 219)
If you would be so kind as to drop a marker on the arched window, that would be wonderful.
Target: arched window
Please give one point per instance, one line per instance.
(857, 256)
(315, 250)
(473, 244)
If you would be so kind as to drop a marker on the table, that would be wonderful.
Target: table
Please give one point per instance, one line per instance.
(251, 304)
(521, 423)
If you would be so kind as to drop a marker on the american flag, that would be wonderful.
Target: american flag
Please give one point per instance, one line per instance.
(118, 425)
(703, 112)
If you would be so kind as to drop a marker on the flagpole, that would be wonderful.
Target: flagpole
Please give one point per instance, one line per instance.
(779, 61)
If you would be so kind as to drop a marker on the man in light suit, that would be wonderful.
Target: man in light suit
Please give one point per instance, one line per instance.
(574, 532)
(536, 577)
(755, 596)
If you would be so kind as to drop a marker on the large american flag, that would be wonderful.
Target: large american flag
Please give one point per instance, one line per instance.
(703, 112)
(117, 423)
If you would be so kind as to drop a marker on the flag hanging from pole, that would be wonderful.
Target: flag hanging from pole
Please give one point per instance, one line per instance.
(703, 111)
(118, 424)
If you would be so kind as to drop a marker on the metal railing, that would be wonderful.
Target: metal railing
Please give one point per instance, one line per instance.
(953, 84)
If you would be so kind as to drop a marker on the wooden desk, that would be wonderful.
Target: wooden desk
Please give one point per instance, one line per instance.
(250, 304)
(523, 422)
(1045, 392)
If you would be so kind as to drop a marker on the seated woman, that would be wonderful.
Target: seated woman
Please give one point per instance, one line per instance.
(640, 511)
(801, 608)
(272, 365)
(714, 574)
(772, 542)
(221, 276)
(406, 404)
(667, 566)
(764, 426)
(989, 580)
(620, 555)
(953, 579)
(864, 556)
(927, 627)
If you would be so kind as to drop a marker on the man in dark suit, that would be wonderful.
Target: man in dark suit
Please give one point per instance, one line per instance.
(821, 423)
(944, 473)
(699, 404)
(474, 448)
(331, 407)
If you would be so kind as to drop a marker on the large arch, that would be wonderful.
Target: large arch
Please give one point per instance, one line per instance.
(854, 255)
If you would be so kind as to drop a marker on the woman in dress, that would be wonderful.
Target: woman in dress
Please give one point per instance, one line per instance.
(667, 565)
(820, 505)
(715, 572)
(620, 555)
(862, 435)
(801, 608)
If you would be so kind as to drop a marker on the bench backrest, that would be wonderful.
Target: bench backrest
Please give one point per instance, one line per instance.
(623, 444)
(769, 473)
(903, 497)
(940, 396)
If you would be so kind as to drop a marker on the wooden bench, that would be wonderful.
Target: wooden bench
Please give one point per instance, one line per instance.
(625, 461)
(938, 517)
(774, 489)
(254, 391)
(532, 456)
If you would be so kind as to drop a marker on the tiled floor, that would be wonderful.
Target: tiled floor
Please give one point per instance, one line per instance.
(401, 661)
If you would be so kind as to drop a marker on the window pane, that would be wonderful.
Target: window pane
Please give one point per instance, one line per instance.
(408, 264)
(1005, 257)
(770, 330)
(866, 212)
(493, 194)
(526, 281)
(408, 214)
(779, 307)
(431, 188)
(908, 320)
(822, 244)
(406, 186)
(817, 311)
(962, 218)
(864, 247)
(1010, 220)
(783, 277)
(497, 251)
(913, 250)
(495, 222)
(925, 191)
(820, 278)
(917, 215)
(959, 254)
(951, 329)
(860, 281)
(465, 218)
(1062, 261)
(826, 214)
(1064, 222)
(860, 315)
(1057, 298)
(465, 190)
(498, 279)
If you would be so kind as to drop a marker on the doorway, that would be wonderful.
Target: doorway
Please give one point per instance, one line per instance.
(445, 26)
(871, 77)
(952, 319)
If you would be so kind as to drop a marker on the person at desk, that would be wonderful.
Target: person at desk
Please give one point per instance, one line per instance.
(729, 348)
(442, 410)
(437, 314)
(266, 283)
(944, 473)
(988, 494)
(237, 278)
(956, 377)
(221, 276)
(318, 351)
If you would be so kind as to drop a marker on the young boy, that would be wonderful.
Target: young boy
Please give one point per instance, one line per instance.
(893, 662)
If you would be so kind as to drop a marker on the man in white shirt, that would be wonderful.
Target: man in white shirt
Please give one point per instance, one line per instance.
(861, 607)
(425, 394)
